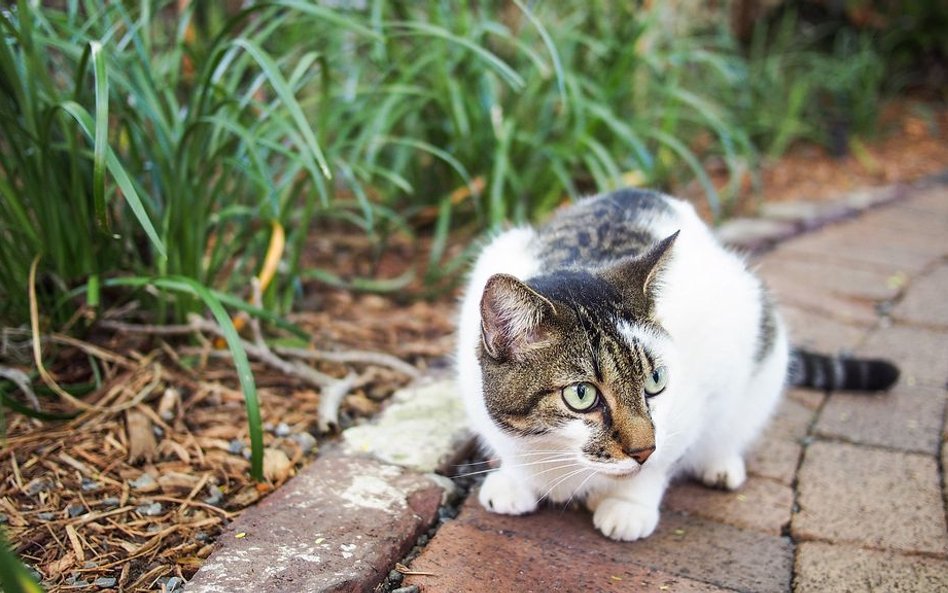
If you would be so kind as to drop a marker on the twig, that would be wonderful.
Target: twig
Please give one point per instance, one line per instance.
(201, 324)
(266, 356)
(360, 356)
(329, 401)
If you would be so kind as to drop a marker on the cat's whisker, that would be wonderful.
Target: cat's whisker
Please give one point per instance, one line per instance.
(518, 465)
(536, 452)
(563, 479)
(594, 472)
(548, 470)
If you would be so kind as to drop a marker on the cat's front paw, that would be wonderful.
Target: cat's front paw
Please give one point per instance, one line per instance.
(625, 520)
(501, 493)
(727, 473)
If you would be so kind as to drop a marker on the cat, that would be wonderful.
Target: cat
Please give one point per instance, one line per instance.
(617, 346)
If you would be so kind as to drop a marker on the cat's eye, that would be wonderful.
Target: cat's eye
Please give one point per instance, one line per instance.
(655, 383)
(581, 397)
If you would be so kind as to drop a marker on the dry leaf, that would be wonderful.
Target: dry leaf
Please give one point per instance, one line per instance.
(57, 567)
(141, 437)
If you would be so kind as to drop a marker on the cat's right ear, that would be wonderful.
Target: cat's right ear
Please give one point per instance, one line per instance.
(512, 317)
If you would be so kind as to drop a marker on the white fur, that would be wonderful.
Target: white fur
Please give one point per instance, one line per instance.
(716, 402)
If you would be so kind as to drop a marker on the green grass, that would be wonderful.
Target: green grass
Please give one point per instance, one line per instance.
(117, 159)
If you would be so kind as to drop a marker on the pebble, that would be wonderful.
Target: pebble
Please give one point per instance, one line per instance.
(395, 577)
(3, 519)
(110, 501)
(105, 582)
(74, 510)
(143, 482)
(408, 589)
(235, 447)
(282, 429)
(215, 495)
(306, 441)
(201, 536)
(36, 486)
(171, 584)
(150, 510)
(90, 485)
(46, 516)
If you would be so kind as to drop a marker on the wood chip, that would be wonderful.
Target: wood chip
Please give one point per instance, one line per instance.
(276, 465)
(177, 482)
(141, 438)
(74, 541)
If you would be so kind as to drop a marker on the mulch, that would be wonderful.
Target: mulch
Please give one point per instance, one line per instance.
(131, 496)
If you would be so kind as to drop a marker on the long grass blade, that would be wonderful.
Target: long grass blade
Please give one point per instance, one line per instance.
(121, 176)
(279, 84)
(101, 141)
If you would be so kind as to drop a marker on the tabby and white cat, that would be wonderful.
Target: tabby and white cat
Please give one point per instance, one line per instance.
(619, 345)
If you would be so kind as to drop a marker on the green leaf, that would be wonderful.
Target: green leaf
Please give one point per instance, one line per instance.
(241, 363)
(14, 578)
(121, 176)
(282, 88)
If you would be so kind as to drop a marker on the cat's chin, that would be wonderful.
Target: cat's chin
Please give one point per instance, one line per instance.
(617, 470)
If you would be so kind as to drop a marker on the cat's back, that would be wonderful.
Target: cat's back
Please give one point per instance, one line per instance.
(602, 229)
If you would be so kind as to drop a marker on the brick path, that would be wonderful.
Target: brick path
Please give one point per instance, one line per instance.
(846, 492)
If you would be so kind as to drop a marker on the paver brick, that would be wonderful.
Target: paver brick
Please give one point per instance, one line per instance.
(685, 546)
(922, 355)
(924, 221)
(871, 497)
(926, 303)
(810, 295)
(907, 418)
(818, 332)
(930, 200)
(828, 568)
(760, 504)
(463, 558)
(338, 526)
(876, 247)
(840, 281)
(776, 453)
(774, 458)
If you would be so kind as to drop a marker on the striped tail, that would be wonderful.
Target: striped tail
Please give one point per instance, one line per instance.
(831, 373)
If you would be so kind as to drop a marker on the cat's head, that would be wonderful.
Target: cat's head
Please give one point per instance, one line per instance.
(578, 357)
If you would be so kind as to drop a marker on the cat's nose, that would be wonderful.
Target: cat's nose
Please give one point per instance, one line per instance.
(642, 454)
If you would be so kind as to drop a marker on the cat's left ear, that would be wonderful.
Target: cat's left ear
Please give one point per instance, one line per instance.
(637, 277)
(513, 317)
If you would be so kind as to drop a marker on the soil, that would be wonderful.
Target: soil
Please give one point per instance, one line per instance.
(132, 497)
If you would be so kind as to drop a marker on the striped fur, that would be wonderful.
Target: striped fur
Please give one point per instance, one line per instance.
(839, 373)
